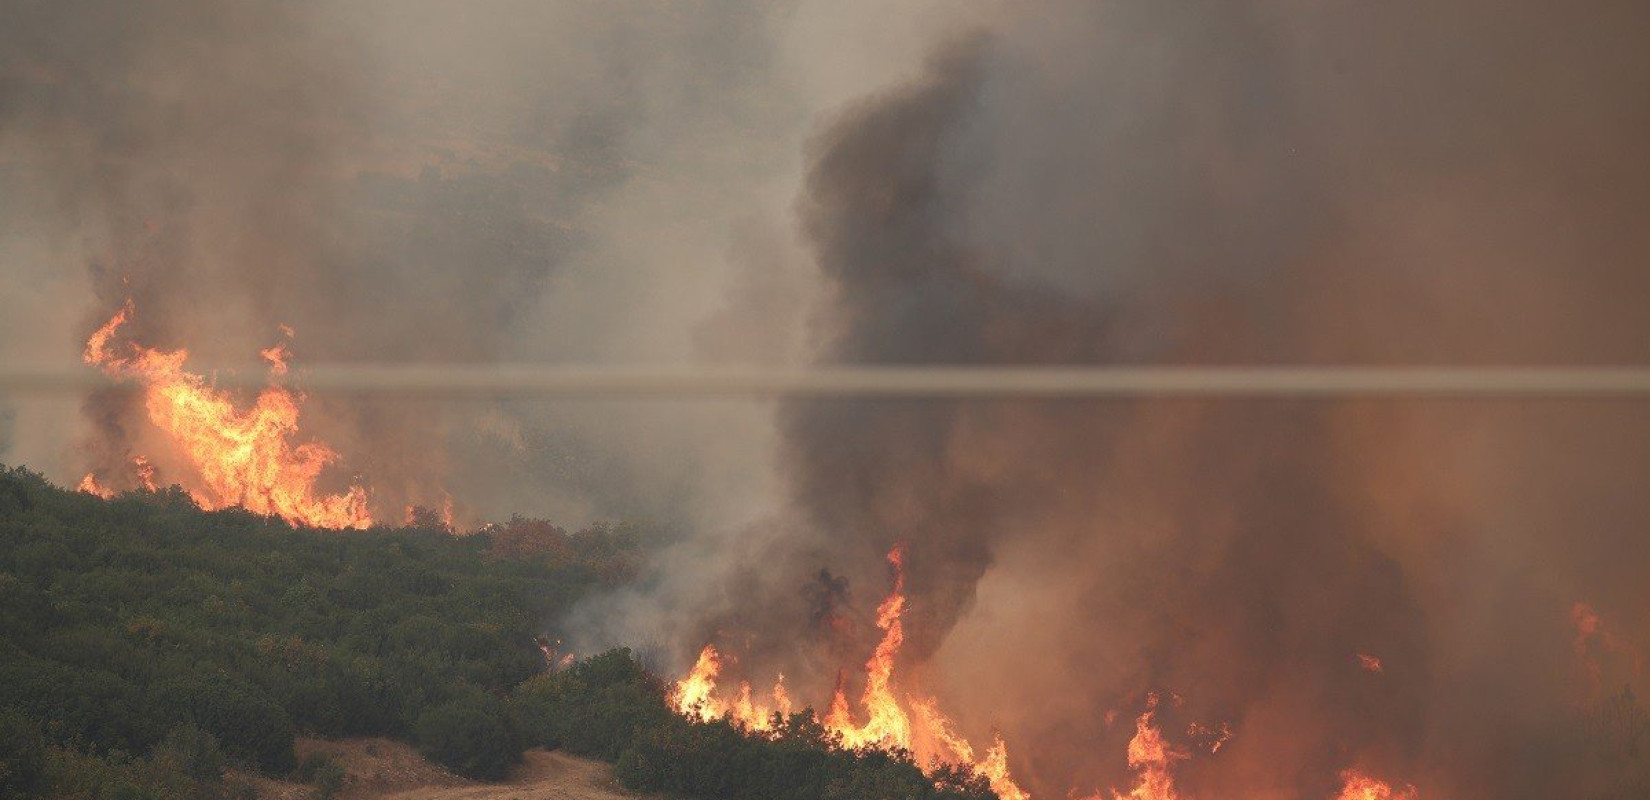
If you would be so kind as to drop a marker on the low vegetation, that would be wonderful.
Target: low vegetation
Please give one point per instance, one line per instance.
(147, 647)
(137, 625)
(609, 707)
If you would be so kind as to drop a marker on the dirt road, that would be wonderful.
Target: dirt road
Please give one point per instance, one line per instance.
(381, 769)
(544, 776)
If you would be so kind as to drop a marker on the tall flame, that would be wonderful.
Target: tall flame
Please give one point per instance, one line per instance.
(887, 726)
(243, 458)
(1152, 758)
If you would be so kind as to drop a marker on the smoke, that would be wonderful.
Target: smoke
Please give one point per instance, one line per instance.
(1249, 183)
(1237, 183)
(1255, 182)
(414, 181)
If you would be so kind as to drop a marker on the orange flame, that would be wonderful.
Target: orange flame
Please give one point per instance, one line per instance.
(888, 726)
(1370, 663)
(1151, 757)
(145, 472)
(243, 459)
(89, 485)
(995, 769)
(1358, 786)
(695, 696)
(919, 727)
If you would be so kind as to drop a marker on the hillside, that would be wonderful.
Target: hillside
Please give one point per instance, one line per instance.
(142, 624)
(149, 649)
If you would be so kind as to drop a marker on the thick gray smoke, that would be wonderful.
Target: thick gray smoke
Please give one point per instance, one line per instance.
(1217, 181)
(411, 181)
(1254, 183)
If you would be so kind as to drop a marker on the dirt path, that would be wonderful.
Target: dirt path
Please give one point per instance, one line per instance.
(544, 776)
(381, 769)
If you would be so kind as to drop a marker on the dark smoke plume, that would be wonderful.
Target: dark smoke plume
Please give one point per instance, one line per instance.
(1249, 183)
(1214, 181)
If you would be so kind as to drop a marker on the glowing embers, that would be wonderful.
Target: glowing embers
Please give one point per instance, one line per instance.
(241, 458)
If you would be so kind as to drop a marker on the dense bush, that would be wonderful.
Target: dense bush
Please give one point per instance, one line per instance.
(610, 707)
(191, 752)
(472, 735)
(122, 621)
(185, 766)
(22, 758)
(326, 774)
(595, 708)
(143, 625)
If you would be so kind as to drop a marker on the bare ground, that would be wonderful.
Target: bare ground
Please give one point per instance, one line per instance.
(380, 769)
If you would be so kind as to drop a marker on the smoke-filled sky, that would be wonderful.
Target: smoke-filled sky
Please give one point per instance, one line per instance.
(1221, 181)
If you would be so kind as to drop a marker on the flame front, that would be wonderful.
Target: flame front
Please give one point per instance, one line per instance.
(695, 696)
(888, 725)
(898, 721)
(244, 459)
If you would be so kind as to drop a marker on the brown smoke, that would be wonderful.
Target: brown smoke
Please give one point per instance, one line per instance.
(1249, 183)
(1215, 181)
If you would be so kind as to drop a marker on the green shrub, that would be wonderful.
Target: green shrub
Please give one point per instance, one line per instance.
(249, 725)
(80, 776)
(329, 780)
(594, 708)
(122, 620)
(471, 735)
(22, 758)
(192, 752)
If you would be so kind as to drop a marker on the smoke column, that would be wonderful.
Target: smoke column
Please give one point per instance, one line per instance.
(1225, 182)
(1239, 183)
(422, 182)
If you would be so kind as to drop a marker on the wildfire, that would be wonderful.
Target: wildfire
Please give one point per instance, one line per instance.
(552, 661)
(888, 725)
(896, 720)
(89, 485)
(1151, 757)
(1358, 786)
(695, 696)
(243, 458)
(1370, 663)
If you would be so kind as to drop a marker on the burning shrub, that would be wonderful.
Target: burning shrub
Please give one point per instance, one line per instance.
(610, 707)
